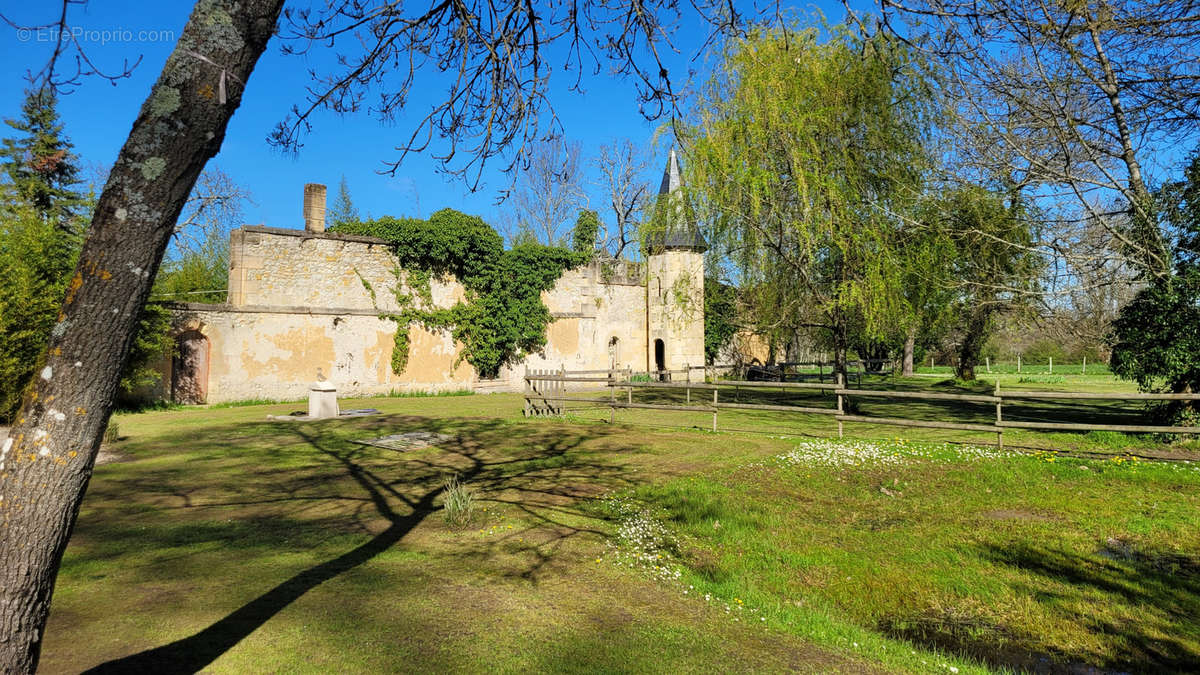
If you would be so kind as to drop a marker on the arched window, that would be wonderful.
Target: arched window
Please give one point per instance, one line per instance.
(614, 352)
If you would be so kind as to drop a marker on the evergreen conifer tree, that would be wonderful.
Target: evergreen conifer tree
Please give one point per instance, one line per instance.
(343, 211)
(39, 163)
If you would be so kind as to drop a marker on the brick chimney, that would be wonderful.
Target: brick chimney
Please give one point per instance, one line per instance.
(314, 208)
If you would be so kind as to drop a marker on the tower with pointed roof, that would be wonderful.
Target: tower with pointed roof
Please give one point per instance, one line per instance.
(674, 280)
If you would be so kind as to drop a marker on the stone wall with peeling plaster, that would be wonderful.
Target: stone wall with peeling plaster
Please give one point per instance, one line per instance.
(300, 300)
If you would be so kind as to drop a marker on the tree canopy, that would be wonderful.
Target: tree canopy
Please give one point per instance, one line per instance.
(1156, 337)
(802, 152)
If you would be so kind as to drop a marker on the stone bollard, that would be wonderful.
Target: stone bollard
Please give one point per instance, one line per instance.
(322, 399)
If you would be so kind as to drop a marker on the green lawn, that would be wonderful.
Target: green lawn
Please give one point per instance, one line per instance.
(228, 543)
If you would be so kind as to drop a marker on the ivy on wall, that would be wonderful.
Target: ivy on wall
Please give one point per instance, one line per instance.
(502, 318)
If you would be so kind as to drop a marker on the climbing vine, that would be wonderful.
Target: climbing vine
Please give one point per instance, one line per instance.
(502, 317)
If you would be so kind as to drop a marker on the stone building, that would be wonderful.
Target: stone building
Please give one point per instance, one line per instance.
(305, 299)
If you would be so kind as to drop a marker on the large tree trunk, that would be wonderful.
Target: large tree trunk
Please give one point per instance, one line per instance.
(972, 344)
(841, 349)
(910, 346)
(47, 461)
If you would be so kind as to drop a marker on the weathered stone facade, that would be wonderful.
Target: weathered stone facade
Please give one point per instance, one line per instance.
(300, 300)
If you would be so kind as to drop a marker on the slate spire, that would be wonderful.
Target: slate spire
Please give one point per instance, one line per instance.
(680, 234)
(671, 182)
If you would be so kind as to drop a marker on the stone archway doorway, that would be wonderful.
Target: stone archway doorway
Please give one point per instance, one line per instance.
(189, 368)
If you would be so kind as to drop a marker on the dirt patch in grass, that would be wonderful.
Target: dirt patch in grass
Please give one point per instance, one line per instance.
(107, 455)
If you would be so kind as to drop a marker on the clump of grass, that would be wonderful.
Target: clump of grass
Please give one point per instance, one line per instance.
(243, 403)
(1109, 439)
(1042, 379)
(112, 433)
(459, 505)
(397, 393)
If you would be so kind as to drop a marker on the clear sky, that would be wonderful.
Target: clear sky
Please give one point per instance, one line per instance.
(97, 116)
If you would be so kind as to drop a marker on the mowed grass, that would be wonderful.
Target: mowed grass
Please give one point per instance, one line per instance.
(1028, 562)
(227, 543)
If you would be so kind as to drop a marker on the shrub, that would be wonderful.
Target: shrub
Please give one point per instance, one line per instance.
(459, 505)
(36, 260)
(112, 433)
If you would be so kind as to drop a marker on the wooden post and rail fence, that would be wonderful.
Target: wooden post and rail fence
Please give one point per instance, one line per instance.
(547, 390)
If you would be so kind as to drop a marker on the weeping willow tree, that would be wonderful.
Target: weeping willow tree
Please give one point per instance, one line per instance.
(805, 149)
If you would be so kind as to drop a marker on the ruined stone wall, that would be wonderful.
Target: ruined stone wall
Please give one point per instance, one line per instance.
(270, 267)
(301, 300)
(591, 306)
(275, 354)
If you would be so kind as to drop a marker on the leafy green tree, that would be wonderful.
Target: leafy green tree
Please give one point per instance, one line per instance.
(992, 267)
(926, 310)
(1156, 339)
(36, 259)
(585, 231)
(38, 162)
(720, 318)
(801, 152)
(197, 273)
(343, 210)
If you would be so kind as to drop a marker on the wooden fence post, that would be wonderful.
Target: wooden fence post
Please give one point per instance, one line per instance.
(987, 361)
(562, 388)
(612, 395)
(714, 409)
(546, 391)
(840, 411)
(999, 429)
(1084, 366)
(687, 380)
(1018, 364)
(1051, 365)
(531, 372)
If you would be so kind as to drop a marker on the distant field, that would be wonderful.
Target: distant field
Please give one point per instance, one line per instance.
(1027, 368)
(227, 543)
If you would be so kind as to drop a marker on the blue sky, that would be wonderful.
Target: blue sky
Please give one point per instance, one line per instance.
(98, 115)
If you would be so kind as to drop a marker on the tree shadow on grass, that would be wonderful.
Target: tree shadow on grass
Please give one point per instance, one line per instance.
(403, 503)
(1143, 602)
